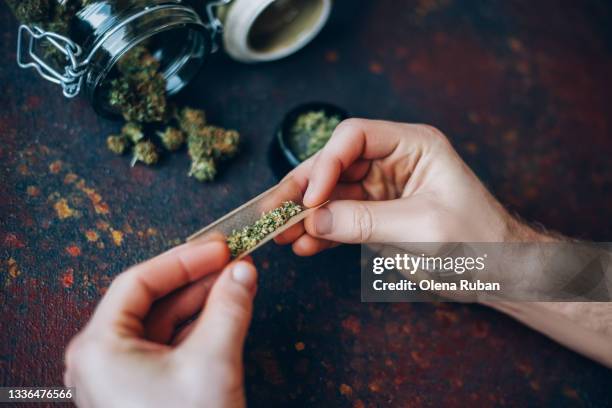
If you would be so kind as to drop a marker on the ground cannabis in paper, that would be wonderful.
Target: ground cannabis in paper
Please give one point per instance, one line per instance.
(251, 235)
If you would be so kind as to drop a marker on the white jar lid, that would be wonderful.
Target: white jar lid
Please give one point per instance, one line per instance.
(266, 30)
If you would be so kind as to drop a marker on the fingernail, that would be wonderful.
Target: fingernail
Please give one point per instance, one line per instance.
(244, 274)
(323, 220)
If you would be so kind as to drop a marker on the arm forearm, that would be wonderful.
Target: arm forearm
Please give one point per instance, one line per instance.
(585, 327)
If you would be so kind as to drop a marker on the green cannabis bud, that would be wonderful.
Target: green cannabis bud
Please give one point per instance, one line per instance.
(311, 131)
(203, 169)
(117, 144)
(145, 152)
(212, 141)
(251, 235)
(206, 144)
(140, 91)
(137, 61)
(191, 120)
(133, 132)
(172, 138)
(223, 142)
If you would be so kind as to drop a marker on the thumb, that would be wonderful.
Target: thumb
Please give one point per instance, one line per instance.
(349, 221)
(221, 329)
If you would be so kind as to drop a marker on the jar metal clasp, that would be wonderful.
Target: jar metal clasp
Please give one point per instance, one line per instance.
(72, 78)
(214, 24)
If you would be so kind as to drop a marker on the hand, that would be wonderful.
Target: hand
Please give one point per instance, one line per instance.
(394, 182)
(136, 351)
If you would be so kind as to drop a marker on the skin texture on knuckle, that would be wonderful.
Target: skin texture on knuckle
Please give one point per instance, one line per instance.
(349, 131)
(121, 280)
(236, 303)
(363, 223)
(350, 125)
(433, 135)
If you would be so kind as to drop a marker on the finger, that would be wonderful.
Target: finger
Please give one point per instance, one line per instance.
(301, 172)
(308, 245)
(300, 175)
(353, 139)
(350, 221)
(356, 171)
(173, 310)
(343, 191)
(221, 329)
(130, 296)
(184, 330)
(290, 235)
(349, 191)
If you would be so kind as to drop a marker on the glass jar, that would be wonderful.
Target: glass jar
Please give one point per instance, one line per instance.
(104, 31)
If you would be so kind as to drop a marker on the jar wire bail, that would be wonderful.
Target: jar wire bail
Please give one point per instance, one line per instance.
(214, 23)
(72, 79)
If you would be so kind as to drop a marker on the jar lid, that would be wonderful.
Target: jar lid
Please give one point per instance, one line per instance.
(266, 30)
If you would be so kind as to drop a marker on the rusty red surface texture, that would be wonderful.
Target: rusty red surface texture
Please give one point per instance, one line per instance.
(520, 87)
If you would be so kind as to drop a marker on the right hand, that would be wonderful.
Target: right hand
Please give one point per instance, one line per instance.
(394, 182)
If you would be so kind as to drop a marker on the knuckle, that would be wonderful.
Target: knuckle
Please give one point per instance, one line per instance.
(363, 223)
(351, 123)
(432, 133)
(236, 305)
(349, 126)
(120, 280)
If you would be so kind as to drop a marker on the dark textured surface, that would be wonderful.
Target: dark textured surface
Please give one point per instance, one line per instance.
(522, 90)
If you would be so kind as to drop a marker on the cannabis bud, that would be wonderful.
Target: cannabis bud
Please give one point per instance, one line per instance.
(172, 138)
(133, 132)
(191, 120)
(203, 169)
(140, 92)
(206, 143)
(145, 152)
(251, 235)
(223, 142)
(212, 141)
(117, 144)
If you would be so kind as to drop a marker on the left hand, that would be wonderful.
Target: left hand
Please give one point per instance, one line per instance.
(134, 352)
